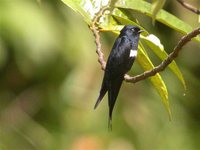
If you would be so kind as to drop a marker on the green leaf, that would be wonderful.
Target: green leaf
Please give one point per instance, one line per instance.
(117, 20)
(87, 8)
(156, 80)
(162, 16)
(157, 5)
(154, 43)
(123, 20)
(112, 28)
(119, 23)
(77, 7)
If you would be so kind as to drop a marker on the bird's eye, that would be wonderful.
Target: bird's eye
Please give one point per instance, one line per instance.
(133, 30)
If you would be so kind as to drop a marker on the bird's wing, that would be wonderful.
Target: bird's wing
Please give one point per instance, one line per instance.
(119, 57)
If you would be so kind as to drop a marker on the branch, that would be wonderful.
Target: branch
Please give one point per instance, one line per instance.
(189, 7)
(95, 31)
(184, 40)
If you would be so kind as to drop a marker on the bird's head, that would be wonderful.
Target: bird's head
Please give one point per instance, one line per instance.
(130, 30)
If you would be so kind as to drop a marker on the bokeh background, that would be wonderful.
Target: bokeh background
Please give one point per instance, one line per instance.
(50, 79)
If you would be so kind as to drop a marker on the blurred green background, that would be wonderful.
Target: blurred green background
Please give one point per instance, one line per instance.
(50, 79)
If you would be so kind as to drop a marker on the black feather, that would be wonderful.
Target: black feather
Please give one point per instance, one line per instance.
(104, 89)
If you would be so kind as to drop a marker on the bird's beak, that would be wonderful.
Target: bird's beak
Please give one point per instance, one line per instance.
(140, 31)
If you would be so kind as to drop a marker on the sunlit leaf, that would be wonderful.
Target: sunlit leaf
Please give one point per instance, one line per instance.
(156, 80)
(87, 8)
(157, 5)
(162, 16)
(115, 29)
(122, 20)
(77, 7)
(117, 20)
(154, 43)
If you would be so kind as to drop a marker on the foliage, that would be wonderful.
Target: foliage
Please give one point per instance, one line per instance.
(111, 20)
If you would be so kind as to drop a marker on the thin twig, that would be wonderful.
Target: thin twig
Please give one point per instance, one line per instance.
(184, 40)
(98, 48)
(189, 7)
(95, 32)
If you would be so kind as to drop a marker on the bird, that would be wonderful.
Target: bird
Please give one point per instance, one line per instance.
(120, 61)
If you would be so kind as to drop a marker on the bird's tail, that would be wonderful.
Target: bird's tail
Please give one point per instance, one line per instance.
(113, 92)
(102, 93)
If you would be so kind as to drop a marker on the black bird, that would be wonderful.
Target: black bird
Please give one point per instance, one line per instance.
(120, 61)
